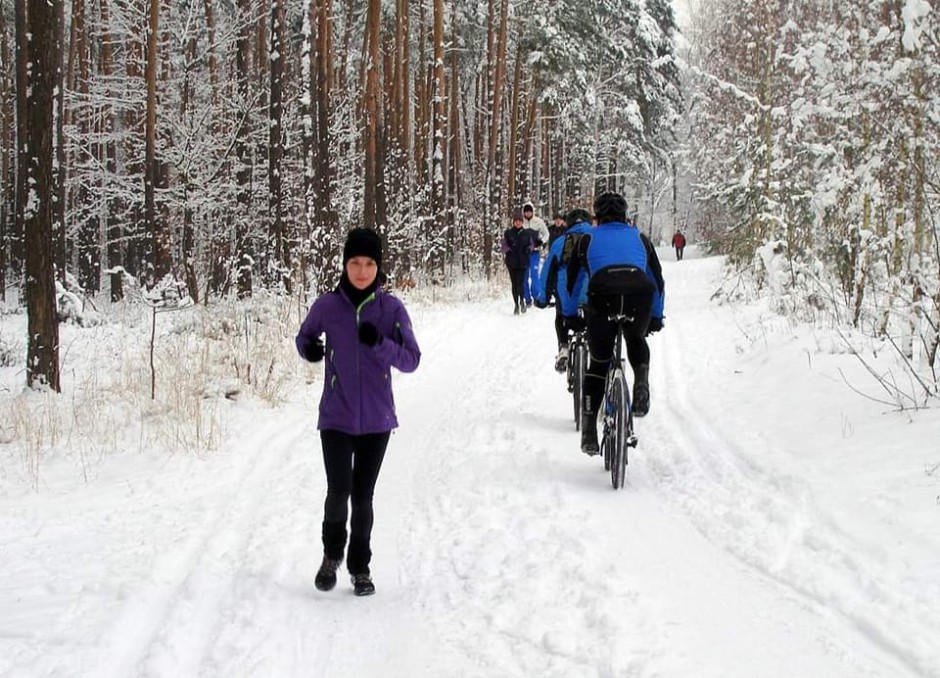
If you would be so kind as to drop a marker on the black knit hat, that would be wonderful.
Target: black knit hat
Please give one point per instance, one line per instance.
(363, 242)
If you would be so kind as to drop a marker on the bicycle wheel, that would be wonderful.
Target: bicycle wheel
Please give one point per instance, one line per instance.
(607, 443)
(619, 402)
(576, 362)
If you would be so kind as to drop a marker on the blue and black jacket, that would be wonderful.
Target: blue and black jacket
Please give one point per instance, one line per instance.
(554, 277)
(618, 258)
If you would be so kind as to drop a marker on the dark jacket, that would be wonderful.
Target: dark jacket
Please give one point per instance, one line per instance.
(517, 244)
(357, 381)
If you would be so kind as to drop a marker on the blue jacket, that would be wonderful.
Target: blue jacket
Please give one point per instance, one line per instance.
(554, 278)
(357, 381)
(617, 244)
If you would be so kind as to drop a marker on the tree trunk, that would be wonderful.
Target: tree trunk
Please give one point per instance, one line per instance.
(279, 248)
(42, 360)
(438, 125)
(22, 138)
(59, 167)
(7, 192)
(512, 191)
(453, 147)
(88, 240)
(373, 213)
(324, 168)
(113, 229)
(494, 173)
(243, 153)
(160, 256)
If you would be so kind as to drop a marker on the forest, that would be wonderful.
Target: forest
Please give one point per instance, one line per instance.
(228, 146)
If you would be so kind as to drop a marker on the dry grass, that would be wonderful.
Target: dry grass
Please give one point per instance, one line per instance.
(204, 358)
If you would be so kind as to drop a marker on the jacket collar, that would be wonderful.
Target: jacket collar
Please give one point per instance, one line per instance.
(354, 294)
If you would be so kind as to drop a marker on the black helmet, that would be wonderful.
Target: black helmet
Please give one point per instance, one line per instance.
(610, 207)
(576, 216)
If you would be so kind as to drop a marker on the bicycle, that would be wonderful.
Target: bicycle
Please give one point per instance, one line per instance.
(577, 366)
(618, 434)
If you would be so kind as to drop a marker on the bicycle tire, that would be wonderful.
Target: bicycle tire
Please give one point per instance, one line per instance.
(578, 382)
(606, 440)
(619, 401)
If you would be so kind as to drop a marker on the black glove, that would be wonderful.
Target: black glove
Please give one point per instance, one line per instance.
(369, 334)
(656, 324)
(539, 304)
(313, 352)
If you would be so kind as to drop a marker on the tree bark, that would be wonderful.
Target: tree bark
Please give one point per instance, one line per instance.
(113, 229)
(243, 67)
(7, 191)
(22, 138)
(280, 249)
(438, 127)
(373, 203)
(42, 355)
(156, 229)
(59, 167)
(494, 169)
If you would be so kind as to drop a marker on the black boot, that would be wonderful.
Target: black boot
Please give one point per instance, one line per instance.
(589, 443)
(362, 584)
(326, 576)
(641, 390)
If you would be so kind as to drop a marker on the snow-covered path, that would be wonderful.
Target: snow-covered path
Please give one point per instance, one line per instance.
(500, 550)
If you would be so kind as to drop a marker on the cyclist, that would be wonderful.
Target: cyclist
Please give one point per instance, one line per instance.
(554, 282)
(624, 277)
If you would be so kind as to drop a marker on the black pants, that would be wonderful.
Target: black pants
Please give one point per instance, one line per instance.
(517, 277)
(601, 332)
(564, 326)
(352, 467)
(561, 327)
(679, 253)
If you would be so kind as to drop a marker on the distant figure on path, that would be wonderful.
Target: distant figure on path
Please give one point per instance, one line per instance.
(678, 241)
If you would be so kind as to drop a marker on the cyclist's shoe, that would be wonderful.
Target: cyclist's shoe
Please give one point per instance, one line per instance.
(589, 443)
(362, 584)
(326, 576)
(641, 391)
(561, 360)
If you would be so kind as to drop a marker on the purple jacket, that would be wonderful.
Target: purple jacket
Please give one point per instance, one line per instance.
(357, 381)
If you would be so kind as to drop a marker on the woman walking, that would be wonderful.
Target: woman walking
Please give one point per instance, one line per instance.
(517, 245)
(368, 331)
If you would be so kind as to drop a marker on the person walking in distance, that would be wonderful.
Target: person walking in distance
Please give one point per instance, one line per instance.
(368, 331)
(537, 225)
(624, 278)
(517, 246)
(678, 241)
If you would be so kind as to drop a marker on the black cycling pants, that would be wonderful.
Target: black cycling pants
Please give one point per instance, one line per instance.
(601, 333)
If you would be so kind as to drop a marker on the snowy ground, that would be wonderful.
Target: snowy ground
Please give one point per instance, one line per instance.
(774, 523)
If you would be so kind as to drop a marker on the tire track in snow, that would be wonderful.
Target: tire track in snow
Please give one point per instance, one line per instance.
(165, 629)
(496, 532)
(769, 521)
